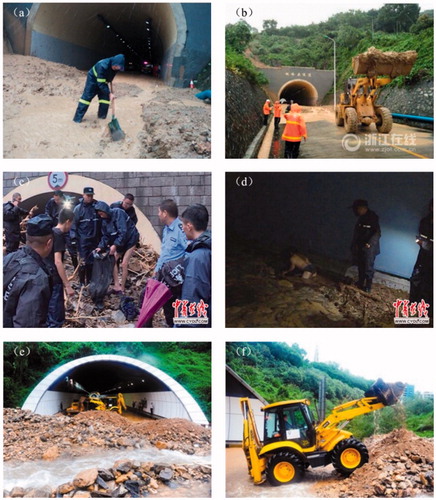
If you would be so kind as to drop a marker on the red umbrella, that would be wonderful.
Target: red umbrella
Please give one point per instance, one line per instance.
(156, 294)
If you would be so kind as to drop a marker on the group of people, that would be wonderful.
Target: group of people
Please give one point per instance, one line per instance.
(295, 129)
(35, 280)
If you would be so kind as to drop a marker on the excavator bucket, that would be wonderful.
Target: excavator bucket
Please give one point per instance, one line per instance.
(388, 394)
(374, 62)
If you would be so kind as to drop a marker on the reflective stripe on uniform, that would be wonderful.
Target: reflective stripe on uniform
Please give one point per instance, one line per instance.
(102, 101)
(290, 138)
(100, 80)
(295, 123)
(84, 102)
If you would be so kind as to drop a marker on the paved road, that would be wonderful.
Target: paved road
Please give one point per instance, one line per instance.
(326, 140)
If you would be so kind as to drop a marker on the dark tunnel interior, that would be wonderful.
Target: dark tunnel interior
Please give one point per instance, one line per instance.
(107, 377)
(299, 91)
(41, 199)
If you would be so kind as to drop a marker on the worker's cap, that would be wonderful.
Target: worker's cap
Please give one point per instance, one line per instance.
(268, 100)
(296, 108)
(58, 192)
(359, 203)
(88, 190)
(101, 206)
(41, 225)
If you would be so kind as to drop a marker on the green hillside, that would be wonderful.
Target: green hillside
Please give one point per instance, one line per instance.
(280, 372)
(189, 363)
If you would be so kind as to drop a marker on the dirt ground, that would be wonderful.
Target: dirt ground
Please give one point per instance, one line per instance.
(40, 98)
(400, 465)
(326, 140)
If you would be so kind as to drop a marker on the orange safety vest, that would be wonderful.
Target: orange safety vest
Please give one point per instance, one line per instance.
(266, 109)
(277, 110)
(295, 128)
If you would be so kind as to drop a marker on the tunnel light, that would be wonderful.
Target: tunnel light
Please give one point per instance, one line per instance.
(108, 26)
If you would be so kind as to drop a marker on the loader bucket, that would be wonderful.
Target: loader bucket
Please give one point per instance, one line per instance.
(388, 394)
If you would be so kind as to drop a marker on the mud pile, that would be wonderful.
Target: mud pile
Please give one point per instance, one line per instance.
(127, 479)
(401, 464)
(40, 98)
(374, 62)
(28, 436)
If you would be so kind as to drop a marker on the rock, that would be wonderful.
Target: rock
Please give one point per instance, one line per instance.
(65, 488)
(106, 474)
(17, 492)
(85, 478)
(82, 494)
(123, 466)
(122, 478)
(40, 492)
(51, 453)
(102, 483)
(119, 492)
(166, 474)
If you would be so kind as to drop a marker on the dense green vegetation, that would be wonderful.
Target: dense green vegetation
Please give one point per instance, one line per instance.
(396, 27)
(189, 363)
(280, 372)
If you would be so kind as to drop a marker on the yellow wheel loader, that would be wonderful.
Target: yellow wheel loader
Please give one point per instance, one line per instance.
(358, 103)
(96, 401)
(293, 441)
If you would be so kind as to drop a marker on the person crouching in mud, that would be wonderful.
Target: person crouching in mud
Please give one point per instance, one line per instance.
(300, 265)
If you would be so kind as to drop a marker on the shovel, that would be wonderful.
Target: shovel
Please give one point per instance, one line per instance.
(114, 127)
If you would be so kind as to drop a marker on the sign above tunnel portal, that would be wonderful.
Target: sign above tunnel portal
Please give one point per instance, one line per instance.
(306, 86)
(169, 398)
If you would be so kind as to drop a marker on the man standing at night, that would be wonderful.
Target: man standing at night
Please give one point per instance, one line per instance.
(97, 83)
(365, 245)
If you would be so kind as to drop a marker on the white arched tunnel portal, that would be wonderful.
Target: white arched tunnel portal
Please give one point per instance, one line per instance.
(103, 192)
(190, 406)
(300, 91)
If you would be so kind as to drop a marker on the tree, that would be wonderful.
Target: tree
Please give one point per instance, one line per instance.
(270, 26)
(238, 36)
(393, 17)
(424, 21)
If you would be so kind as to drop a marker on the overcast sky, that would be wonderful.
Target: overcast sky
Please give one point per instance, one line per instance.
(393, 355)
(301, 13)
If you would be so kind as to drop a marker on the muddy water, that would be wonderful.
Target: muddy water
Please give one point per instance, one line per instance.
(39, 473)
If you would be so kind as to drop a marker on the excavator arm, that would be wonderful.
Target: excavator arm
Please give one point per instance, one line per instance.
(251, 443)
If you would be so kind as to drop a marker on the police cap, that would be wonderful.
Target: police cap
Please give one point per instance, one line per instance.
(88, 190)
(41, 225)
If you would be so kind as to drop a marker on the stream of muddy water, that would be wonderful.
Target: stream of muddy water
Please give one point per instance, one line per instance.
(39, 473)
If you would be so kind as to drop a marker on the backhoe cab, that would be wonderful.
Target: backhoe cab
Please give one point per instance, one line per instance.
(293, 440)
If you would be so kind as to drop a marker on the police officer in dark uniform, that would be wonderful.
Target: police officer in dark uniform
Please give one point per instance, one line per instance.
(12, 216)
(127, 205)
(421, 281)
(85, 232)
(27, 282)
(365, 245)
(97, 83)
(54, 206)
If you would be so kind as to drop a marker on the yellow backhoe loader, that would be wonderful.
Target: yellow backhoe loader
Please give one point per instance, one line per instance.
(99, 402)
(293, 440)
(358, 103)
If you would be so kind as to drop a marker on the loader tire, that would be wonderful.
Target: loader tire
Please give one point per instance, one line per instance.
(351, 121)
(339, 119)
(384, 120)
(348, 455)
(284, 467)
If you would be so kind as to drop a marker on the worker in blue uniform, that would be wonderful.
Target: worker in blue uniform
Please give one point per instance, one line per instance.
(97, 83)
(365, 245)
(86, 232)
(119, 236)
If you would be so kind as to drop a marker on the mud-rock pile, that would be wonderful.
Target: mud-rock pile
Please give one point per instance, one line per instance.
(127, 479)
(28, 436)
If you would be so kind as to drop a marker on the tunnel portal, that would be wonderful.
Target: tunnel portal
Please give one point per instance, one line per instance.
(300, 91)
(109, 375)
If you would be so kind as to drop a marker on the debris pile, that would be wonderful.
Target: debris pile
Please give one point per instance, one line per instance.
(374, 62)
(48, 437)
(126, 479)
(401, 465)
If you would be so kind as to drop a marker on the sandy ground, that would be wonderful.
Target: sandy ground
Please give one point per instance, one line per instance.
(326, 140)
(40, 98)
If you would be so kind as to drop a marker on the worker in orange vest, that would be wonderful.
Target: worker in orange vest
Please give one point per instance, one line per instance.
(277, 114)
(295, 131)
(266, 111)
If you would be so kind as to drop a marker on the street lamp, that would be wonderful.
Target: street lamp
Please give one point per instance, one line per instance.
(334, 69)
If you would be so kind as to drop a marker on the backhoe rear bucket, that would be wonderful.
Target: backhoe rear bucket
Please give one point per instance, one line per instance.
(388, 394)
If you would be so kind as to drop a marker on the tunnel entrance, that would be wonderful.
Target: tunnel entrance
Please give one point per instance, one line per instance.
(37, 192)
(300, 91)
(109, 375)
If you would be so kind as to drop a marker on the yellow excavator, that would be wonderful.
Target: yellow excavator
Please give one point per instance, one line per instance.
(358, 103)
(99, 402)
(293, 440)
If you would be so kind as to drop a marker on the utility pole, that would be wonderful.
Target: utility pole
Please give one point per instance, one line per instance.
(334, 69)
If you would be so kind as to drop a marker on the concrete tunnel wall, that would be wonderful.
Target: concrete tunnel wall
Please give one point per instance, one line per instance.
(75, 184)
(73, 34)
(41, 400)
